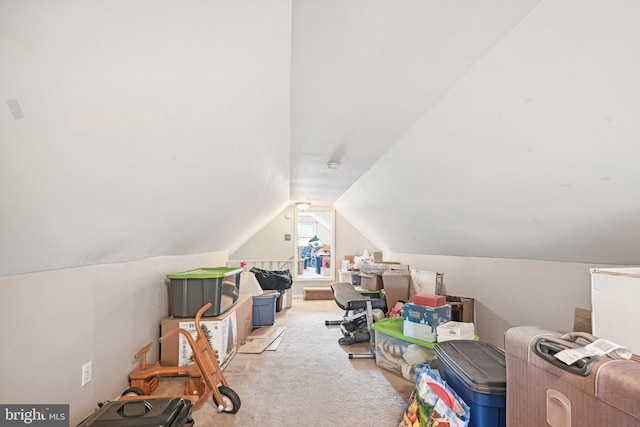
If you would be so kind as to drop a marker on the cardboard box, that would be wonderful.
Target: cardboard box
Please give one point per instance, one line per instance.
(429, 300)
(455, 331)
(370, 282)
(461, 308)
(221, 333)
(394, 265)
(421, 322)
(396, 286)
(244, 317)
(350, 258)
(224, 332)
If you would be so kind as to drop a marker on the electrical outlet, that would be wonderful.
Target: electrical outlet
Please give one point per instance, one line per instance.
(86, 373)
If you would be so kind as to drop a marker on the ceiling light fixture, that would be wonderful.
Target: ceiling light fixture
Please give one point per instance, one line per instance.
(303, 206)
(333, 165)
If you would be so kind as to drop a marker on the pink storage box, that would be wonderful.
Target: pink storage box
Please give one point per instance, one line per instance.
(428, 300)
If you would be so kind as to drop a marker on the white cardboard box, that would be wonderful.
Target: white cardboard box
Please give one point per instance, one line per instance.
(455, 331)
(221, 333)
(225, 332)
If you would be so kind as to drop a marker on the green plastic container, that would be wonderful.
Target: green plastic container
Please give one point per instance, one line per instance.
(190, 290)
(398, 353)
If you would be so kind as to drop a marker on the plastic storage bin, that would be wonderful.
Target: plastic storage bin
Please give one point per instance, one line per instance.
(356, 279)
(190, 290)
(476, 370)
(264, 308)
(169, 412)
(398, 353)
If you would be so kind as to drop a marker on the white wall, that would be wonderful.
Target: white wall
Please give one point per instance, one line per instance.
(511, 292)
(53, 322)
(349, 241)
(149, 128)
(531, 155)
(268, 243)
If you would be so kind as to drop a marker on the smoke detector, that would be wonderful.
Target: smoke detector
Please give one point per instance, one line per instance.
(333, 165)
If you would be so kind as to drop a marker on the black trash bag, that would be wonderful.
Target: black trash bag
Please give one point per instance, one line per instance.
(271, 280)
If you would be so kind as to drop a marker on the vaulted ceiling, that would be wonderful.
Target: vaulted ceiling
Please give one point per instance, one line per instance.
(494, 128)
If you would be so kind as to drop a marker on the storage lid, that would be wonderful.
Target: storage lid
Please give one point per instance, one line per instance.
(479, 365)
(206, 273)
(151, 412)
(362, 290)
(394, 326)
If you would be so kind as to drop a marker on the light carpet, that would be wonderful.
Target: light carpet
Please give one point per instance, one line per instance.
(309, 380)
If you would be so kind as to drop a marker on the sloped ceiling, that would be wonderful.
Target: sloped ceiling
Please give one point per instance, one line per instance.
(146, 128)
(532, 154)
(364, 71)
(133, 129)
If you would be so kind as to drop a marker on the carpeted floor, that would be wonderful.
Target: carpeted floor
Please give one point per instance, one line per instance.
(309, 380)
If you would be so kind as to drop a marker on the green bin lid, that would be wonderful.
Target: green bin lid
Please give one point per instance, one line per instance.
(394, 326)
(362, 290)
(206, 273)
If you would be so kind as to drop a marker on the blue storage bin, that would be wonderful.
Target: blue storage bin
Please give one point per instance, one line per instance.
(264, 308)
(476, 370)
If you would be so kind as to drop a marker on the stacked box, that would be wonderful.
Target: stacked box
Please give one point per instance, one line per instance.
(370, 282)
(421, 322)
(429, 300)
(225, 334)
(398, 353)
(396, 286)
(455, 331)
(221, 333)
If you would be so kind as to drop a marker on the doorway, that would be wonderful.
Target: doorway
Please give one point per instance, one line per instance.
(314, 241)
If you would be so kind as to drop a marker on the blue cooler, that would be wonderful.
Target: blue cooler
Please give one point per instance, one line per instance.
(476, 370)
